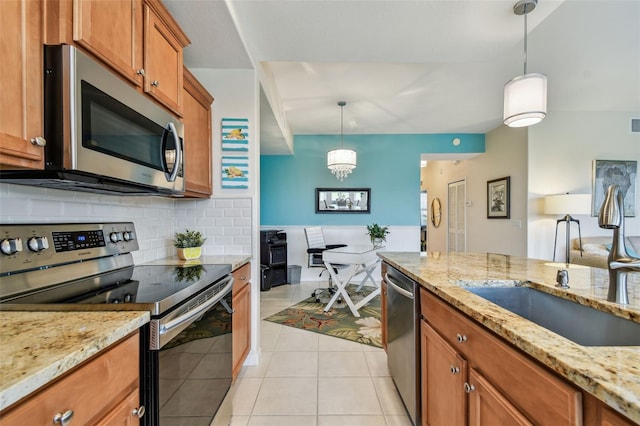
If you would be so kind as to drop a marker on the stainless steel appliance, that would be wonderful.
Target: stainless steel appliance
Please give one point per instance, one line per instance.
(403, 342)
(101, 134)
(186, 359)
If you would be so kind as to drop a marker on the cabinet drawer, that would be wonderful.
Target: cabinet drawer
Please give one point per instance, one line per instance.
(539, 394)
(241, 277)
(92, 390)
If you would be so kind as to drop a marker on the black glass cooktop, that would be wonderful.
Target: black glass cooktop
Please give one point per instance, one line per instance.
(153, 288)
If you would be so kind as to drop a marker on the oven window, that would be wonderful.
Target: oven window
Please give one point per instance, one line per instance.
(195, 368)
(110, 127)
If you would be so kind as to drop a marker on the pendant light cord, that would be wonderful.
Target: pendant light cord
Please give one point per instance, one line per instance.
(525, 39)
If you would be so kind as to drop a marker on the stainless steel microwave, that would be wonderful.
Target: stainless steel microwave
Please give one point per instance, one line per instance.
(102, 135)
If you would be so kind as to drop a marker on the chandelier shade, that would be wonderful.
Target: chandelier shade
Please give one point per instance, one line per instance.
(525, 96)
(525, 100)
(341, 161)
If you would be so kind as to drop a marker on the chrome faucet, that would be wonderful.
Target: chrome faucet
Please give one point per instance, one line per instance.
(620, 262)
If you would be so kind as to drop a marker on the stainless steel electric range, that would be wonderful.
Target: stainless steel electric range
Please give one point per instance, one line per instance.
(186, 359)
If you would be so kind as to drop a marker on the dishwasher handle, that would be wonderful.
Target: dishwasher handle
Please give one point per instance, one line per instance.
(399, 289)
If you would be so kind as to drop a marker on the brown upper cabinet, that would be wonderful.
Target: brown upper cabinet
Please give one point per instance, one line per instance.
(138, 39)
(21, 79)
(197, 138)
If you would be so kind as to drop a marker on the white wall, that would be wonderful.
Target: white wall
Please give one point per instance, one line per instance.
(237, 94)
(561, 153)
(401, 238)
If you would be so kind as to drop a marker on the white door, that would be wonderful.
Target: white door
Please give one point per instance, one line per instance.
(457, 217)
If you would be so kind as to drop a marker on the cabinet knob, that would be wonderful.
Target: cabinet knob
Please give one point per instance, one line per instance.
(63, 418)
(155, 83)
(454, 370)
(469, 388)
(39, 141)
(461, 338)
(141, 72)
(138, 412)
(243, 278)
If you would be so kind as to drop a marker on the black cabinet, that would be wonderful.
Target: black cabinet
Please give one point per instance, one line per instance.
(273, 255)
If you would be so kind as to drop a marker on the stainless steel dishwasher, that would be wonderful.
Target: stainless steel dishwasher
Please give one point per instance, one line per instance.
(403, 345)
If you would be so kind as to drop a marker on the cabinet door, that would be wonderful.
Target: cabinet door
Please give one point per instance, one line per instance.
(197, 138)
(91, 391)
(241, 327)
(112, 31)
(21, 81)
(162, 62)
(487, 406)
(443, 373)
(125, 413)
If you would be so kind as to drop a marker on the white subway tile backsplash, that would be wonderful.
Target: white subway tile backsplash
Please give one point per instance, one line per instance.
(225, 222)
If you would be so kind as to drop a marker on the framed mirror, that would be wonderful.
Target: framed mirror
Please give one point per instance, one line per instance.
(343, 200)
(436, 212)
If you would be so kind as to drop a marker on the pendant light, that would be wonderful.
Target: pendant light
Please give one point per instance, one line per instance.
(341, 161)
(525, 96)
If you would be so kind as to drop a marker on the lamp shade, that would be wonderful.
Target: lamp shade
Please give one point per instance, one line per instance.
(567, 204)
(525, 100)
(341, 162)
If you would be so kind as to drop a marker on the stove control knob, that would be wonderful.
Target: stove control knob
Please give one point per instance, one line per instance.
(128, 236)
(11, 246)
(115, 237)
(37, 244)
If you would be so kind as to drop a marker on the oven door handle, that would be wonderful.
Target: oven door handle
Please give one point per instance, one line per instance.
(187, 316)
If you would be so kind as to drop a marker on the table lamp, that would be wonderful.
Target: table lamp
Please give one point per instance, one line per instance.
(567, 204)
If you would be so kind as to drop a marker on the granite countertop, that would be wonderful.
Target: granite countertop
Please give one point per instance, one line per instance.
(611, 374)
(37, 347)
(236, 261)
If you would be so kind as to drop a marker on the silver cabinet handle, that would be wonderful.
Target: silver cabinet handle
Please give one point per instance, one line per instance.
(461, 338)
(141, 72)
(39, 141)
(469, 388)
(155, 83)
(138, 412)
(454, 370)
(63, 419)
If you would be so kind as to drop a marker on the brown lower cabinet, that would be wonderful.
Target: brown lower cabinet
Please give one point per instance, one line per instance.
(241, 302)
(469, 376)
(104, 390)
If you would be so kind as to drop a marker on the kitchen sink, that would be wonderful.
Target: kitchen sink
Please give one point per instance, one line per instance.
(581, 324)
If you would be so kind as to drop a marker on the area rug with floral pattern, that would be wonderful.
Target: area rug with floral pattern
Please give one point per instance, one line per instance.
(338, 321)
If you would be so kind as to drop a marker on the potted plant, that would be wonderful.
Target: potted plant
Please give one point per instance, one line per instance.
(378, 234)
(189, 244)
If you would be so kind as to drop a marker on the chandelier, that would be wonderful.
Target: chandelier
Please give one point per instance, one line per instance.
(341, 161)
(525, 96)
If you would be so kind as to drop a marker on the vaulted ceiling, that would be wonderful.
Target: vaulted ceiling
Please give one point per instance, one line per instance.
(414, 66)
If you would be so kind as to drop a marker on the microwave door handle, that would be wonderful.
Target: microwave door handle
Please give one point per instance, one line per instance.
(178, 160)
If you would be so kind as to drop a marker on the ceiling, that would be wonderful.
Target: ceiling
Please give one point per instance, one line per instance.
(413, 66)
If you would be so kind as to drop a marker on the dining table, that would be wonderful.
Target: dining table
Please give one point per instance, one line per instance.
(343, 264)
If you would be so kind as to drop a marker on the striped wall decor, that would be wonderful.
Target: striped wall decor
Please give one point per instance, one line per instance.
(235, 172)
(235, 134)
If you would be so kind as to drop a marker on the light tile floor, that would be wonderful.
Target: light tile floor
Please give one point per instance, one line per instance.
(309, 379)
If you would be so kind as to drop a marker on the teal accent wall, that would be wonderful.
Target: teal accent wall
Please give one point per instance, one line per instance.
(388, 164)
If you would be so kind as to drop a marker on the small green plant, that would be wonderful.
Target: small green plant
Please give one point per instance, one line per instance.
(377, 232)
(188, 239)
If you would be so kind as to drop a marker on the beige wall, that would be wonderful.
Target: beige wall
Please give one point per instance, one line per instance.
(506, 155)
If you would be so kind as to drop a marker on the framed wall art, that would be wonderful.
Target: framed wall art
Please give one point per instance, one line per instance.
(235, 172)
(235, 134)
(499, 198)
(612, 172)
(343, 200)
